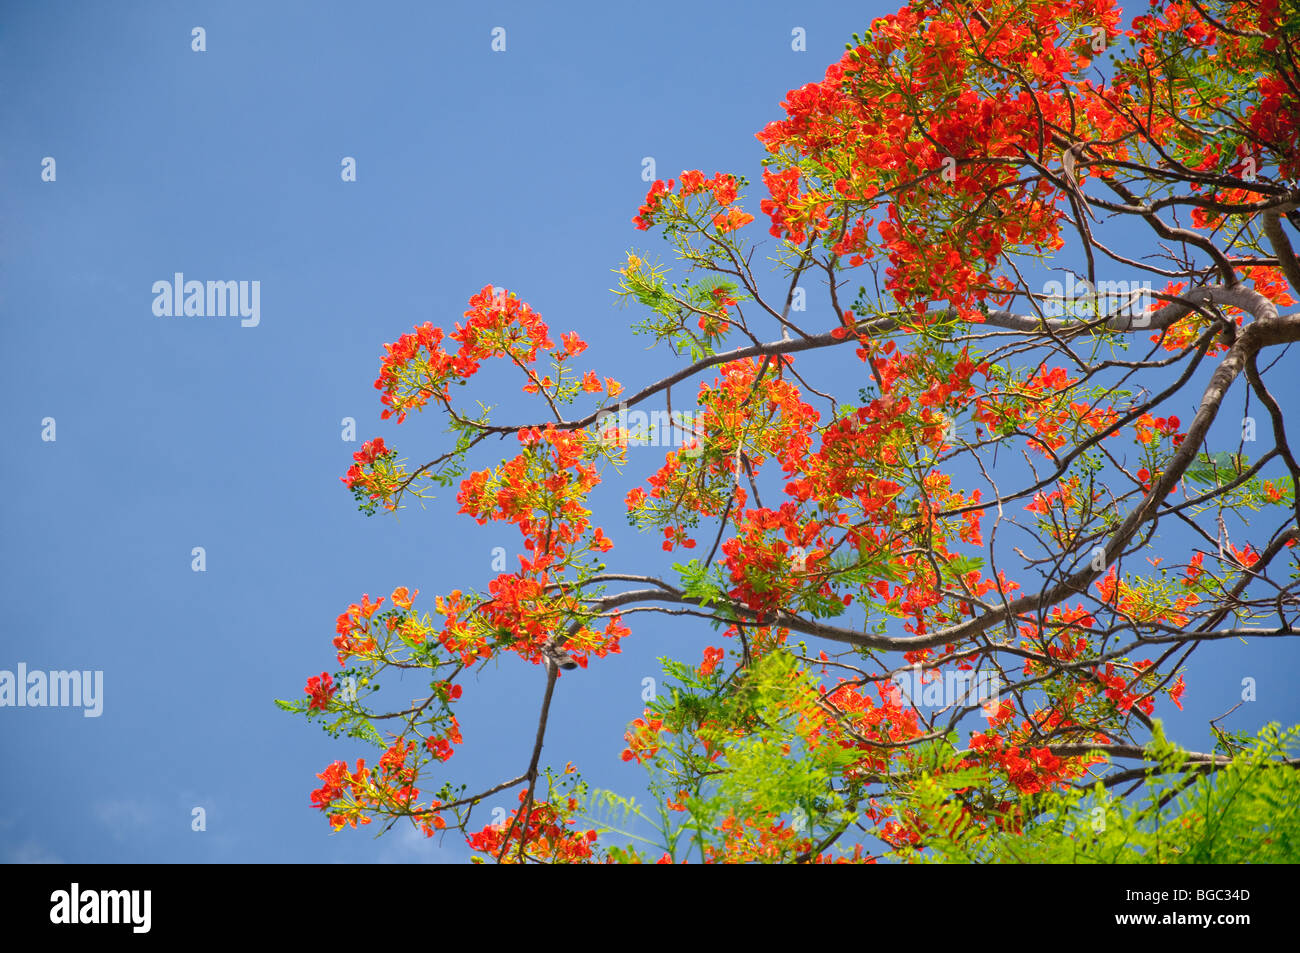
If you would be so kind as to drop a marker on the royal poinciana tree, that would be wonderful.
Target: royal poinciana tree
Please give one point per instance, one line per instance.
(1041, 250)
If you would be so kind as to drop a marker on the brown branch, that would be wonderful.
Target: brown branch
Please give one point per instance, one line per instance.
(526, 809)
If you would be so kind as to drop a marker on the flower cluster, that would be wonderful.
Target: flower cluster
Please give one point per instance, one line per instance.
(642, 738)
(720, 190)
(350, 798)
(545, 835)
(372, 476)
(542, 491)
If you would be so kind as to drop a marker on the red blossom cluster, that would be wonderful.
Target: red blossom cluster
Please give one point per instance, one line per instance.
(1143, 602)
(721, 190)
(1121, 690)
(542, 491)
(351, 797)
(712, 656)
(417, 367)
(372, 484)
(321, 689)
(545, 835)
(1148, 429)
(642, 739)
(353, 628)
(909, 114)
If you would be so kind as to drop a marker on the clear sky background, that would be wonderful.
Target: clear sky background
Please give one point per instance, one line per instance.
(520, 169)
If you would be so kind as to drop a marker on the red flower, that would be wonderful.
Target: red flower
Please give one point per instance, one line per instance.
(693, 182)
(321, 690)
(731, 220)
(1245, 557)
(645, 215)
(573, 345)
(676, 536)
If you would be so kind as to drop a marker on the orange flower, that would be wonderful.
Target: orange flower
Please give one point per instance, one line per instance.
(731, 220)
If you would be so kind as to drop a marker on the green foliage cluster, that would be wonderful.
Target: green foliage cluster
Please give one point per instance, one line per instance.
(1247, 811)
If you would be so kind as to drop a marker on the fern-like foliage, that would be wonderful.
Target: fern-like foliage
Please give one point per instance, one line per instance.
(1245, 811)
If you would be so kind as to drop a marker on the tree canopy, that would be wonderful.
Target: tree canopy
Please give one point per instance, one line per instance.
(964, 459)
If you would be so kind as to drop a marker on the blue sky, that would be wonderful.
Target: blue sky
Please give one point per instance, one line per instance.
(521, 169)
